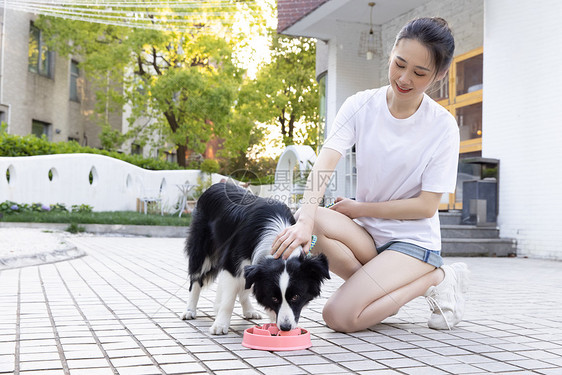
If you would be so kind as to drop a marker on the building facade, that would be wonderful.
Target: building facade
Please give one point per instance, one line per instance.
(507, 57)
(41, 92)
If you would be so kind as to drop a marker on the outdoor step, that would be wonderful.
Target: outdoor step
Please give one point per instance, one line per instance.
(470, 240)
(499, 247)
(468, 231)
(450, 218)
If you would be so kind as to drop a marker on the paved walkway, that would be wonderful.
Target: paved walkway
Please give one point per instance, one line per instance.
(116, 311)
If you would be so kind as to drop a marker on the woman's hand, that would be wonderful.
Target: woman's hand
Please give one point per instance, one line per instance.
(299, 234)
(346, 206)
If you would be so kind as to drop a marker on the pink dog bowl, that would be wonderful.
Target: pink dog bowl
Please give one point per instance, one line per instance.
(269, 337)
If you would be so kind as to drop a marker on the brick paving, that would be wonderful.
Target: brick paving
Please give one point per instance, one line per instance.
(116, 311)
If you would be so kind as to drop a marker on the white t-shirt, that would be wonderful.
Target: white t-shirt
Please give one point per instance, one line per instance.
(397, 159)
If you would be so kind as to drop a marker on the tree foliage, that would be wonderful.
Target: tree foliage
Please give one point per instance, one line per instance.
(187, 82)
(186, 88)
(285, 91)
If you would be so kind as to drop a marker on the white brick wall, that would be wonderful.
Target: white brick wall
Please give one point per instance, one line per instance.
(522, 119)
(348, 73)
(465, 17)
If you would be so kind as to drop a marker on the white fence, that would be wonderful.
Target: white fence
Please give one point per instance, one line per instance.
(105, 183)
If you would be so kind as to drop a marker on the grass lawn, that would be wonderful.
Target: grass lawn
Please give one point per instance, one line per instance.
(117, 217)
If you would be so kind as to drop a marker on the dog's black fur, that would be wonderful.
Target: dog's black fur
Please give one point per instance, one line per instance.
(232, 229)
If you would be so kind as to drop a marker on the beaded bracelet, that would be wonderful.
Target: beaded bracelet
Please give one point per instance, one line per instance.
(313, 242)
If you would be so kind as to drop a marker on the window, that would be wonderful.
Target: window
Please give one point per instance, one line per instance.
(461, 94)
(440, 91)
(74, 75)
(469, 73)
(463, 98)
(136, 149)
(40, 58)
(141, 84)
(40, 128)
(469, 119)
(167, 155)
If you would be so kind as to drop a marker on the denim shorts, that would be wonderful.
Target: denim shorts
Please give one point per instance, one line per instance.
(432, 257)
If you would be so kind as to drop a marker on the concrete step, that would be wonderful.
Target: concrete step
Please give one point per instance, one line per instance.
(450, 218)
(470, 240)
(492, 247)
(468, 231)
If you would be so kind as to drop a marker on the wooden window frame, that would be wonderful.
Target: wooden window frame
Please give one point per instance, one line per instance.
(452, 104)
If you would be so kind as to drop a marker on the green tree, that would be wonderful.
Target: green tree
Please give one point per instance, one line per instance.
(187, 81)
(285, 91)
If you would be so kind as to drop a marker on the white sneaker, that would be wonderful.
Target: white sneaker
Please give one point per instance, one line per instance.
(447, 299)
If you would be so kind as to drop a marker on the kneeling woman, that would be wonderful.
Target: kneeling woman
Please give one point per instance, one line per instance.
(386, 244)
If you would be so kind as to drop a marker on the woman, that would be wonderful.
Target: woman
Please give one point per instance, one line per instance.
(386, 244)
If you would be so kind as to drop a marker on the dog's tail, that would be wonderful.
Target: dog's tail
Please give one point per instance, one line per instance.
(199, 248)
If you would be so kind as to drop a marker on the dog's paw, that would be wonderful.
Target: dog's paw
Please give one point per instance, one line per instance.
(189, 314)
(218, 329)
(252, 314)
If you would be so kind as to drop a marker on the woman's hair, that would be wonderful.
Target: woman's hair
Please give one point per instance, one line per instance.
(434, 33)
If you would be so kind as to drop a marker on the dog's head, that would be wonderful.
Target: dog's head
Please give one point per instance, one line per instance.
(284, 287)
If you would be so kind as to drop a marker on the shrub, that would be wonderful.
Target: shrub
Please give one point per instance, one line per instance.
(203, 183)
(9, 207)
(6, 206)
(82, 208)
(254, 171)
(210, 166)
(30, 145)
(58, 207)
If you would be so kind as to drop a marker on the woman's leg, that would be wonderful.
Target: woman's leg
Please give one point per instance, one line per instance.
(376, 285)
(379, 289)
(346, 244)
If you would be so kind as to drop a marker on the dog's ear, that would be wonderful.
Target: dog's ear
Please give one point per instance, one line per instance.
(250, 274)
(316, 265)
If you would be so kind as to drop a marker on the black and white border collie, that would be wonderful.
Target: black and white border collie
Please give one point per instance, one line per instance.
(231, 235)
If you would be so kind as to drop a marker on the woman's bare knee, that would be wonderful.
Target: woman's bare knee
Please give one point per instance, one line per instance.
(331, 225)
(332, 320)
(338, 319)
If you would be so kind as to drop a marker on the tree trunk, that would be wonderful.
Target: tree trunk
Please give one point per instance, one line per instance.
(291, 127)
(182, 149)
(282, 120)
(181, 152)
